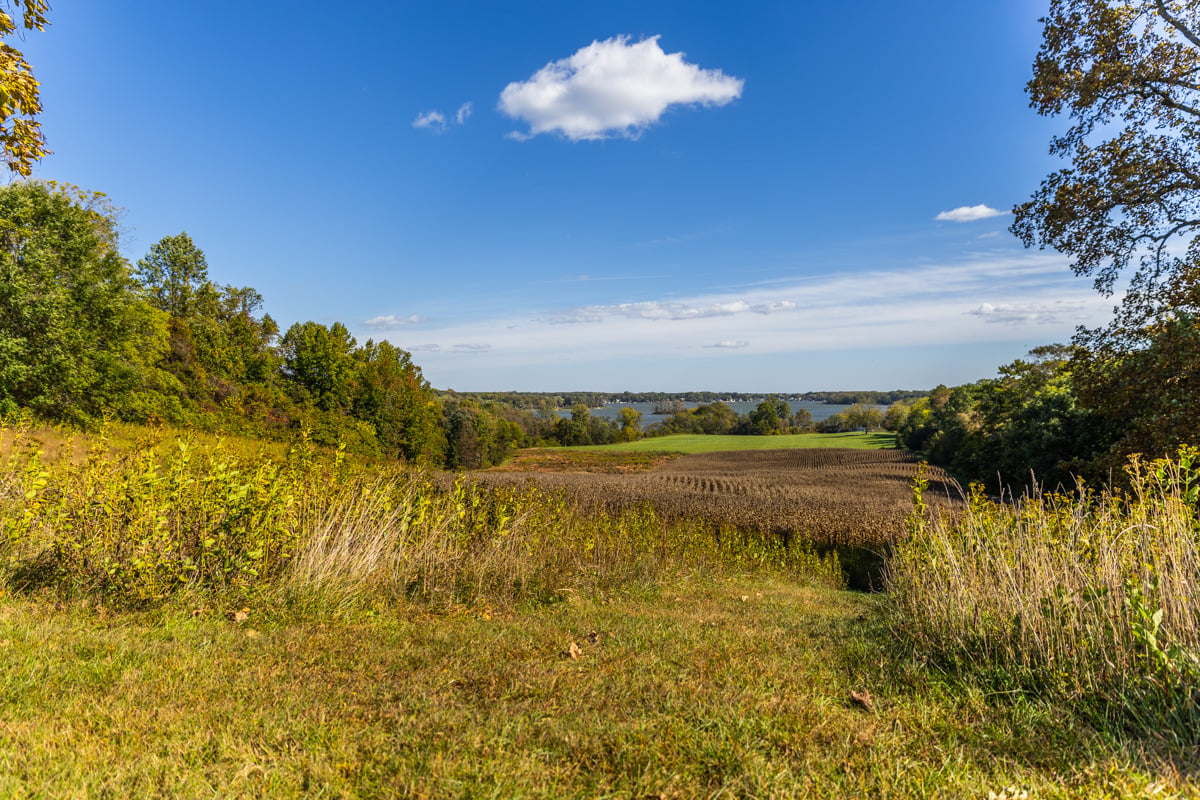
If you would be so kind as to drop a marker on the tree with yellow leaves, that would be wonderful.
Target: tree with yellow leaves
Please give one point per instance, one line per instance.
(20, 134)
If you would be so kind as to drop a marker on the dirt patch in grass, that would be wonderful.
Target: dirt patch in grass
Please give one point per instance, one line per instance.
(855, 498)
(606, 462)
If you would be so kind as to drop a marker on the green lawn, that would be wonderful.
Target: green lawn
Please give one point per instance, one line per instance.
(736, 687)
(698, 443)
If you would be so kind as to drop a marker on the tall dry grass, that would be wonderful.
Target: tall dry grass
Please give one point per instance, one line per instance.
(1092, 598)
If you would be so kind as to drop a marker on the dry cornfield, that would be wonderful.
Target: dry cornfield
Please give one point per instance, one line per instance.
(827, 496)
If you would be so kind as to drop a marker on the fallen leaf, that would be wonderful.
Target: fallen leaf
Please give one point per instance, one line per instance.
(594, 638)
(239, 616)
(574, 651)
(862, 699)
(745, 598)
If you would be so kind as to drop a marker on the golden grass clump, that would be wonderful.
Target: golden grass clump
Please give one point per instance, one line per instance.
(1092, 596)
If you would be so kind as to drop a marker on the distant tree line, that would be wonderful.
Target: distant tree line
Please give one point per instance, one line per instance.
(671, 401)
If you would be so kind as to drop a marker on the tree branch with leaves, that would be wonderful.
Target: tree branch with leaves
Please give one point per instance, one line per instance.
(1127, 209)
(20, 134)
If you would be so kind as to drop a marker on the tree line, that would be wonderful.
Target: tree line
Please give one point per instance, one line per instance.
(84, 335)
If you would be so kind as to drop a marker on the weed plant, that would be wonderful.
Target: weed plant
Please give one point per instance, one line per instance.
(170, 518)
(1092, 599)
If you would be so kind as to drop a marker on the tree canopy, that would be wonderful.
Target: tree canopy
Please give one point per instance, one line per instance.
(1127, 75)
(75, 337)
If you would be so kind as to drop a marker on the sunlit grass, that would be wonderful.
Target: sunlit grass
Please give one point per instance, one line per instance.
(1091, 599)
(732, 687)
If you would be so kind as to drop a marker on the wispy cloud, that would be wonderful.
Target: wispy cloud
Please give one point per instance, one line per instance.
(968, 214)
(655, 310)
(990, 298)
(1027, 313)
(433, 120)
(610, 88)
(389, 322)
(437, 122)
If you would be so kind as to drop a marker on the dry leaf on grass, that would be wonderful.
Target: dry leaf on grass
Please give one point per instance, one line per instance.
(239, 616)
(574, 651)
(862, 699)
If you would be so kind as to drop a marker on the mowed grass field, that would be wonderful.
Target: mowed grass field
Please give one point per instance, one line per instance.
(738, 686)
(699, 443)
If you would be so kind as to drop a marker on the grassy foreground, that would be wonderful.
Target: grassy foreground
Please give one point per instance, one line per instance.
(189, 619)
(700, 443)
(742, 686)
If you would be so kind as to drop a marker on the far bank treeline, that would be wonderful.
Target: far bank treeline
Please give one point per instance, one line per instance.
(84, 335)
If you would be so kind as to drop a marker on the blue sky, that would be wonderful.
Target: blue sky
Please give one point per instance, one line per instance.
(608, 196)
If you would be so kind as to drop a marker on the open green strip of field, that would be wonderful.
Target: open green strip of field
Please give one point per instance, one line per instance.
(700, 443)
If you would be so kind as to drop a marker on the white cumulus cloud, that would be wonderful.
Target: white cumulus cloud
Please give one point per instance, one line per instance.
(613, 87)
(968, 214)
(463, 112)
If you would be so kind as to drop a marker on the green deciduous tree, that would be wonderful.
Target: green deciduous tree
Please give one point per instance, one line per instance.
(175, 274)
(76, 338)
(392, 395)
(631, 424)
(320, 362)
(1127, 74)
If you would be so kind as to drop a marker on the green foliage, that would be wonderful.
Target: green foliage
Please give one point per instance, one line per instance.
(1027, 426)
(393, 396)
(175, 276)
(857, 417)
(1147, 399)
(170, 517)
(75, 338)
(1124, 72)
(631, 424)
(319, 361)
